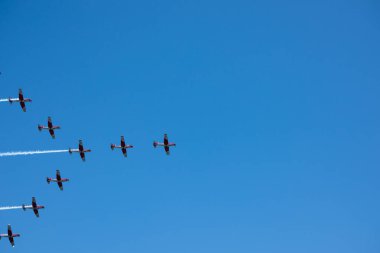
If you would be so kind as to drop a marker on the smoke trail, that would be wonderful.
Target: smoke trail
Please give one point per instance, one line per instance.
(10, 208)
(32, 152)
(7, 99)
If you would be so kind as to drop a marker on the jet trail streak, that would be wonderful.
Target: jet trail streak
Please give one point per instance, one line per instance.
(10, 208)
(36, 152)
(7, 99)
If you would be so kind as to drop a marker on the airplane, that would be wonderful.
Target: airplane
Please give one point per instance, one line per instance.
(10, 235)
(34, 206)
(81, 150)
(20, 100)
(122, 146)
(58, 179)
(166, 144)
(49, 127)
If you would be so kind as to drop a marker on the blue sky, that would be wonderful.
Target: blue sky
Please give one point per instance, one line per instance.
(273, 106)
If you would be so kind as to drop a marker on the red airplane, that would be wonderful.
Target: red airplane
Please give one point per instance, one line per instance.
(49, 127)
(58, 179)
(122, 146)
(34, 206)
(166, 144)
(10, 236)
(81, 150)
(20, 100)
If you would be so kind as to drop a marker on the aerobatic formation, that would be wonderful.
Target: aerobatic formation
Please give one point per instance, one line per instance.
(58, 179)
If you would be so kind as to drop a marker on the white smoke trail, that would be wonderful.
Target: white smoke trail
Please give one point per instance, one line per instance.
(7, 99)
(10, 208)
(32, 152)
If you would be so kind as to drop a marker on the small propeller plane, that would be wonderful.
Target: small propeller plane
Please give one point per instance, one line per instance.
(58, 179)
(49, 127)
(80, 150)
(10, 236)
(122, 146)
(20, 100)
(34, 206)
(166, 144)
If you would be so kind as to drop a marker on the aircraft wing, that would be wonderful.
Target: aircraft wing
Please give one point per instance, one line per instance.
(12, 241)
(35, 210)
(22, 104)
(20, 94)
(50, 123)
(82, 155)
(167, 150)
(58, 175)
(80, 144)
(51, 131)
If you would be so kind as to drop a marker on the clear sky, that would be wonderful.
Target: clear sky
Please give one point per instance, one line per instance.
(274, 106)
